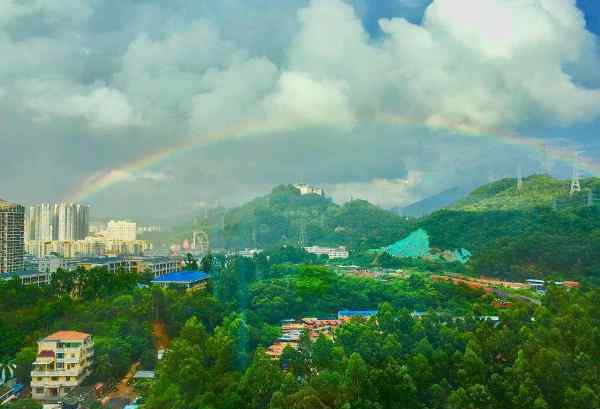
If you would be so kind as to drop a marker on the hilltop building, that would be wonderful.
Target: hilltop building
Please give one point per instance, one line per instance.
(309, 190)
(12, 231)
(63, 362)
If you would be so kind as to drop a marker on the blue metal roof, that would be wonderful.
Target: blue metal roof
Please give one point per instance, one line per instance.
(353, 313)
(183, 277)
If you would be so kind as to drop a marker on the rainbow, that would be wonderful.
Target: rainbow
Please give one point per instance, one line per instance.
(101, 180)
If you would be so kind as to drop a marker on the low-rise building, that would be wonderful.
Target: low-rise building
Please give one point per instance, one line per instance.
(158, 266)
(187, 279)
(29, 277)
(63, 362)
(331, 252)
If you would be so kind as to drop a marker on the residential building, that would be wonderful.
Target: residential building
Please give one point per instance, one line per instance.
(71, 221)
(332, 252)
(121, 230)
(309, 190)
(12, 242)
(38, 222)
(63, 362)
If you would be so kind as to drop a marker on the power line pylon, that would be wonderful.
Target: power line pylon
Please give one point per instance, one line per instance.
(519, 178)
(575, 184)
(302, 235)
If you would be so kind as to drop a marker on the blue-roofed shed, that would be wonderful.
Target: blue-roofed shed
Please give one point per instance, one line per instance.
(181, 278)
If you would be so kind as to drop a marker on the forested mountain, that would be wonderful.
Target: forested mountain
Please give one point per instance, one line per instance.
(537, 230)
(280, 217)
(430, 204)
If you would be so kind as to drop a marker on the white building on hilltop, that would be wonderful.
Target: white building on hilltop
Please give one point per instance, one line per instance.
(309, 190)
(121, 231)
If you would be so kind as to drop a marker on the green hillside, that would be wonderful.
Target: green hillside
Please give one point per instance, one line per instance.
(538, 230)
(279, 217)
(537, 191)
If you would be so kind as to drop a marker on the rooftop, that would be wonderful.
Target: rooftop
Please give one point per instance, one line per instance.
(183, 277)
(67, 336)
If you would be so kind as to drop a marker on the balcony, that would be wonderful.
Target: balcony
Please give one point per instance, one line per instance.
(67, 372)
(54, 384)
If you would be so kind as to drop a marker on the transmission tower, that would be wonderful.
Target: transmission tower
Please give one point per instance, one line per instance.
(545, 166)
(302, 235)
(575, 185)
(519, 178)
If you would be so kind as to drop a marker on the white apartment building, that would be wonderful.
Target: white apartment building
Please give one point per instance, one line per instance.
(63, 362)
(121, 231)
(332, 252)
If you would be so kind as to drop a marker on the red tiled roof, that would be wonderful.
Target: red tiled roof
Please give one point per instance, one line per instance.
(67, 336)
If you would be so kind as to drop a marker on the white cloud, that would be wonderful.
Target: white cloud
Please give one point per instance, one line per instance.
(472, 65)
(383, 192)
(101, 107)
(300, 101)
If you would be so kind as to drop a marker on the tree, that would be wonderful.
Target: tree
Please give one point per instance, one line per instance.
(206, 263)
(190, 262)
(24, 361)
(24, 404)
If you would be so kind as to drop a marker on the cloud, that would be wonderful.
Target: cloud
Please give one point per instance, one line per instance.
(102, 108)
(470, 66)
(383, 192)
(305, 91)
(300, 101)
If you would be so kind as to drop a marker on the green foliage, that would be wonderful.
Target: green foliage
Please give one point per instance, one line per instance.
(24, 361)
(24, 404)
(540, 231)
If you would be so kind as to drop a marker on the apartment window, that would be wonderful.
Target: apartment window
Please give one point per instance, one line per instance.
(39, 391)
(55, 378)
(60, 365)
(60, 355)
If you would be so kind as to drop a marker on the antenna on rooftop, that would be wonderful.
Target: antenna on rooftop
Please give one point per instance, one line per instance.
(575, 184)
(519, 178)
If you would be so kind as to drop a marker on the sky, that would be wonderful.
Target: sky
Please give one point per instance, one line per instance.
(152, 110)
